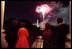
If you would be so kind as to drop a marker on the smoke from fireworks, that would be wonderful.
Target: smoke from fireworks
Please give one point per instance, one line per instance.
(56, 10)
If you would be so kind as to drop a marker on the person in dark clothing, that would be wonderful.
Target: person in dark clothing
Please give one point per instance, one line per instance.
(60, 35)
(48, 36)
(33, 33)
(11, 27)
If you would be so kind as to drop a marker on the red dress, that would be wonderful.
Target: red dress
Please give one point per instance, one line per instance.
(22, 40)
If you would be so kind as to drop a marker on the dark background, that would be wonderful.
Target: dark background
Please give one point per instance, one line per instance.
(24, 9)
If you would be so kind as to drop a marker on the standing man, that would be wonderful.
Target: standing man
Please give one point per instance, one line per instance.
(60, 35)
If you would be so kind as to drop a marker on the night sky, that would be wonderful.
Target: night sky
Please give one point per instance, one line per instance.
(26, 10)
(20, 9)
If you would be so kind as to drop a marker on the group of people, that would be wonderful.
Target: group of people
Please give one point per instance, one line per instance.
(21, 33)
(55, 36)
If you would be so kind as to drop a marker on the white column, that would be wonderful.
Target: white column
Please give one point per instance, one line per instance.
(70, 18)
(2, 13)
(3, 41)
(68, 41)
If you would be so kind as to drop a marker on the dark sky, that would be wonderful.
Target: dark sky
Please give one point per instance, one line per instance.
(23, 9)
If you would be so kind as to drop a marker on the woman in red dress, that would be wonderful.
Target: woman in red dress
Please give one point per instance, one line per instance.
(22, 38)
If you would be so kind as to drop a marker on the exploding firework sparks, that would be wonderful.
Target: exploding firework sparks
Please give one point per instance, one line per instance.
(43, 9)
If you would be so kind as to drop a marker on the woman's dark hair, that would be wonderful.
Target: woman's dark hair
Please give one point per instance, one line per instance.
(22, 24)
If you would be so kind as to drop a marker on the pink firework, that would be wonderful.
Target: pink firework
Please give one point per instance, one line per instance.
(44, 9)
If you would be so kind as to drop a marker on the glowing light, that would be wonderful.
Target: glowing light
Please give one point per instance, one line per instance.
(37, 23)
(43, 9)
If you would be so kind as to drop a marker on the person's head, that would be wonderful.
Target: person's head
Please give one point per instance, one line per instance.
(15, 21)
(59, 20)
(22, 24)
(47, 26)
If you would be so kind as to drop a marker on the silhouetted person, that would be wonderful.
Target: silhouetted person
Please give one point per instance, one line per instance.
(33, 33)
(60, 35)
(11, 27)
(48, 36)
